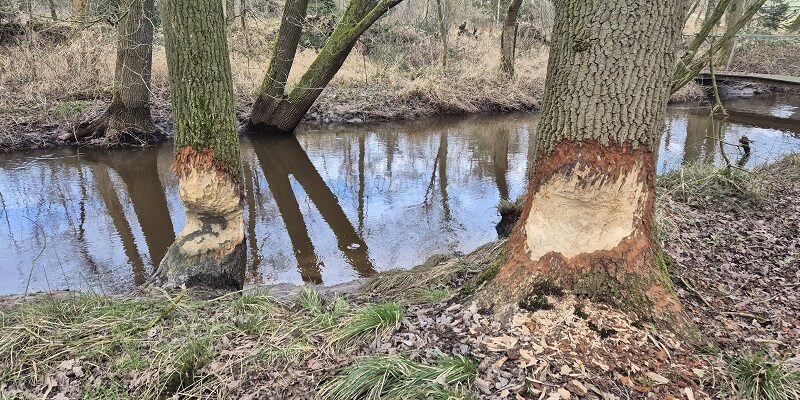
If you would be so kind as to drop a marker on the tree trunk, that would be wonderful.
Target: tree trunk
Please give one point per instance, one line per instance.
(586, 224)
(272, 91)
(80, 12)
(53, 13)
(710, 5)
(243, 14)
(210, 250)
(734, 13)
(442, 30)
(128, 119)
(508, 39)
(283, 117)
(230, 11)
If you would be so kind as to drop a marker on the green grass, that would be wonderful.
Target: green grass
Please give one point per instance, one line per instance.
(760, 379)
(394, 377)
(169, 341)
(70, 109)
(508, 207)
(373, 320)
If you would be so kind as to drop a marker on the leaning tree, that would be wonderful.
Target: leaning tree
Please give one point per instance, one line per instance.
(210, 250)
(508, 38)
(127, 119)
(587, 220)
(276, 111)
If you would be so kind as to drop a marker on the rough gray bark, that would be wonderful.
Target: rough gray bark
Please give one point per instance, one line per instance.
(210, 250)
(284, 117)
(603, 112)
(508, 38)
(127, 119)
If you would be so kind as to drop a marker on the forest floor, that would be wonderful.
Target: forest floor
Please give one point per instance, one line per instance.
(733, 240)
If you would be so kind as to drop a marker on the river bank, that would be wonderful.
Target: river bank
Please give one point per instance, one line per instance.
(732, 239)
(338, 104)
(49, 87)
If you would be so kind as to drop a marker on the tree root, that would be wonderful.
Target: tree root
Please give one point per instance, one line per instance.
(109, 131)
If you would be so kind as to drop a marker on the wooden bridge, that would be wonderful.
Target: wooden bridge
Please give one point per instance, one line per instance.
(704, 78)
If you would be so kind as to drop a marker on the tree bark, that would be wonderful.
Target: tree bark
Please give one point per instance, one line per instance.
(283, 117)
(734, 13)
(243, 14)
(53, 13)
(710, 5)
(210, 250)
(272, 91)
(80, 12)
(586, 224)
(508, 39)
(127, 119)
(442, 30)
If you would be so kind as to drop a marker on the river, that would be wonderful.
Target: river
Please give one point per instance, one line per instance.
(329, 205)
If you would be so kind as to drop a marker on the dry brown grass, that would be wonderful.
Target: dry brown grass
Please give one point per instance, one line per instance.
(46, 87)
(768, 57)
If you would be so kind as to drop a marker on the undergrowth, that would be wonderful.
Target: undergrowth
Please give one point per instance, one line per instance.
(721, 183)
(395, 377)
(175, 345)
(760, 379)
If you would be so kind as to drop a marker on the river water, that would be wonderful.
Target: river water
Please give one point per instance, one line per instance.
(328, 205)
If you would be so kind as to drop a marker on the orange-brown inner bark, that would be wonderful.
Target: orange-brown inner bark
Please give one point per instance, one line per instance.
(627, 274)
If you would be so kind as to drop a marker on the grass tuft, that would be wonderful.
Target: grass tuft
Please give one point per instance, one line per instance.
(374, 320)
(714, 182)
(394, 377)
(760, 379)
(508, 207)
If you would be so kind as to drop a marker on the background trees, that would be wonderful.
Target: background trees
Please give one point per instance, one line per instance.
(209, 251)
(128, 118)
(281, 114)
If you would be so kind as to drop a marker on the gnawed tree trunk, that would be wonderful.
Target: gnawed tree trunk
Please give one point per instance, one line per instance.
(127, 119)
(230, 10)
(210, 250)
(508, 39)
(243, 14)
(586, 224)
(281, 113)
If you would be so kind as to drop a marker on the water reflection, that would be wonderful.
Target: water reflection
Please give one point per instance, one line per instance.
(329, 205)
(282, 157)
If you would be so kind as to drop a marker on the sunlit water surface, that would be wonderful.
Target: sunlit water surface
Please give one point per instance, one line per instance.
(327, 206)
